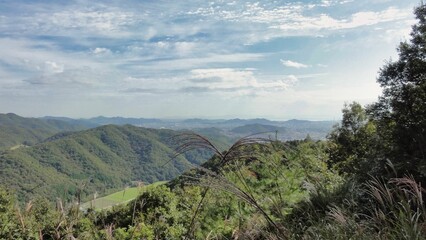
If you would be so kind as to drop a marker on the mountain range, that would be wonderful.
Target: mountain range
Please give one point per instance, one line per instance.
(68, 158)
(288, 130)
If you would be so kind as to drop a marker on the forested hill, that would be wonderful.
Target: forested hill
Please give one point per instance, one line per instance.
(100, 159)
(15, 130)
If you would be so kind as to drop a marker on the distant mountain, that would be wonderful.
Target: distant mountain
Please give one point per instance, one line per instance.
(16, 130)
(123, 121)
(305, 124)
(222, 123)
(96, 160)
(197, 123)
(289, 130)
(240, 122)
(218, 136)
(257, 128)
(200, 121)
(75, 122)
(101, 120)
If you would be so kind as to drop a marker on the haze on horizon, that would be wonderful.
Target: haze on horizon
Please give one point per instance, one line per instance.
(196, 59)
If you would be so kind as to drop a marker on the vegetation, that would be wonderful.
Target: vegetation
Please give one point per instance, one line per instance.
(173, 211)
(16, 130)
(400, 113)
(263, 191)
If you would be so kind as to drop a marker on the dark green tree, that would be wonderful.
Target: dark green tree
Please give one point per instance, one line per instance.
(400, 113)
(353, 143)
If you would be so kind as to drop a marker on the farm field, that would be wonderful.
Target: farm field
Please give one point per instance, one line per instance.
(120, 197)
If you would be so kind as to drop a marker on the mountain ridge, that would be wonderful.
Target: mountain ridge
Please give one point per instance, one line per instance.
(17, 130)
(198, 123)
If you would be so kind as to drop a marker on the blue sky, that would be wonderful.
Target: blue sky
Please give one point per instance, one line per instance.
(185, 59)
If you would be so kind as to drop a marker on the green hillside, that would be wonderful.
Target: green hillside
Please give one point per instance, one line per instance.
(16, 130)
(99, 160)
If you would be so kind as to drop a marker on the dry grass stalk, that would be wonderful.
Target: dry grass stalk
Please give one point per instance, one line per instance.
(210, 179)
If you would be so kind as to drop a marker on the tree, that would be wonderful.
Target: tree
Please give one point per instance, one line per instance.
(400, 112)
(353, 143)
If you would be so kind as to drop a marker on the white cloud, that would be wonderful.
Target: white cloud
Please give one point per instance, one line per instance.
(169, 48)
(325, 22)
(294, 19)
(79, 77)
(157, 64)
(225, 81)
(219, 78)
(184, 48)
(21, 52)
(371, 18)
(240, 81)
(99, 50)
(96, 21)
(328, 3)
(53, 67)
(289, 63)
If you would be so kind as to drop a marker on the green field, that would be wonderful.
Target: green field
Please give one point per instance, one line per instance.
(120, 197)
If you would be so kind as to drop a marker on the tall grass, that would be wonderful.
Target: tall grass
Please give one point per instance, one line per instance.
(399, 210)
(392, 209)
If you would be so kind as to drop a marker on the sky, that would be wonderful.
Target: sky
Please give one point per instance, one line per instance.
(196, 59)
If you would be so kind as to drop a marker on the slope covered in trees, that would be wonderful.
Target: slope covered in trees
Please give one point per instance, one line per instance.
(15, 130)
(101, 159)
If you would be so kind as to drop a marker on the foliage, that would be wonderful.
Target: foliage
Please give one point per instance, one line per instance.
(400, 113)
(354, 145)
(393, 129)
